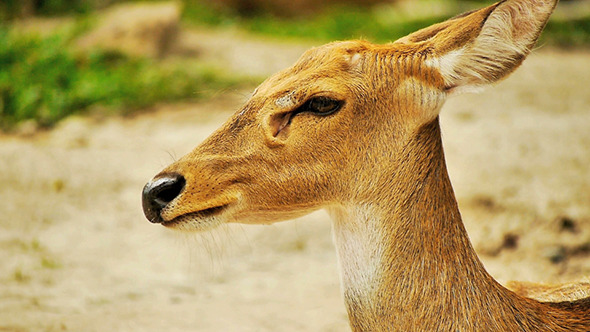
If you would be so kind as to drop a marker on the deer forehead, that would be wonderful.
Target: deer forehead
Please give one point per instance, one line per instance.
(332, 59)
(340, 67)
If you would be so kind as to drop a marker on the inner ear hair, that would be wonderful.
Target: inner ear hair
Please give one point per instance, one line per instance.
(486, 45)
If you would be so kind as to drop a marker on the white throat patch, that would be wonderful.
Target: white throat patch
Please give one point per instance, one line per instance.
(357, 236)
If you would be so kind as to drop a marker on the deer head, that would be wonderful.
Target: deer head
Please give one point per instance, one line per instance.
(334, 128)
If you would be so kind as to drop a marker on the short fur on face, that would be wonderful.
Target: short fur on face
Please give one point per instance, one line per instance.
(376, 162)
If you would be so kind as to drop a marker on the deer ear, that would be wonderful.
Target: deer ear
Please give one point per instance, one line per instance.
(484, 46)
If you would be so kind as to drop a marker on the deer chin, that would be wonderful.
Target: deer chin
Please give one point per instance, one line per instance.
(200, 221)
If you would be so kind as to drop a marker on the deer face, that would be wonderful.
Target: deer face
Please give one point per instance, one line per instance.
(331, 129)
(307, 138)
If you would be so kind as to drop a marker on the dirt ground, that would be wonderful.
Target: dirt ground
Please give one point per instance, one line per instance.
(76, 253)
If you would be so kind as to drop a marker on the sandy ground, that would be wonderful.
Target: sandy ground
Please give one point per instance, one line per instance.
(76, 253)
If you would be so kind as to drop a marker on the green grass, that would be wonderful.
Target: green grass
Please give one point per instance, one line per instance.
(10, 9)
(336, 23)
(380, 24)
(568, 33)
(42, 79)
(342, 23)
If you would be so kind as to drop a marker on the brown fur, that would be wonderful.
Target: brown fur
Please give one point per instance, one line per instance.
(551, 293)
(378, 166)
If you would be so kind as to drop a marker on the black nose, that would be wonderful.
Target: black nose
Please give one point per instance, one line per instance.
(158, 193)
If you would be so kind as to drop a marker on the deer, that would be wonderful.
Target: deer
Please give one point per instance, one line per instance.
(353, 128)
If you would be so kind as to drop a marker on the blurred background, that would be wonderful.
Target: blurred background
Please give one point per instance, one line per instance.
(62, 57)
(97, 96)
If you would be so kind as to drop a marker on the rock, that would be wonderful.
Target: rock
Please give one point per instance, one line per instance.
(567, 224)
(135, 29)
(556, 254)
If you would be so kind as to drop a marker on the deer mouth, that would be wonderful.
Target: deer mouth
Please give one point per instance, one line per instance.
(198, 220)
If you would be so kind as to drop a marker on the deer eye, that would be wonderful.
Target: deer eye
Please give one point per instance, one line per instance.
(322, 105)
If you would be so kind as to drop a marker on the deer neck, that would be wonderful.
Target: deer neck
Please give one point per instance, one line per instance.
(405, 256)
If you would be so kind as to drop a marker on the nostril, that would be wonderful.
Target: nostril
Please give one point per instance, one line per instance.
(168, 191)
(157, 194)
